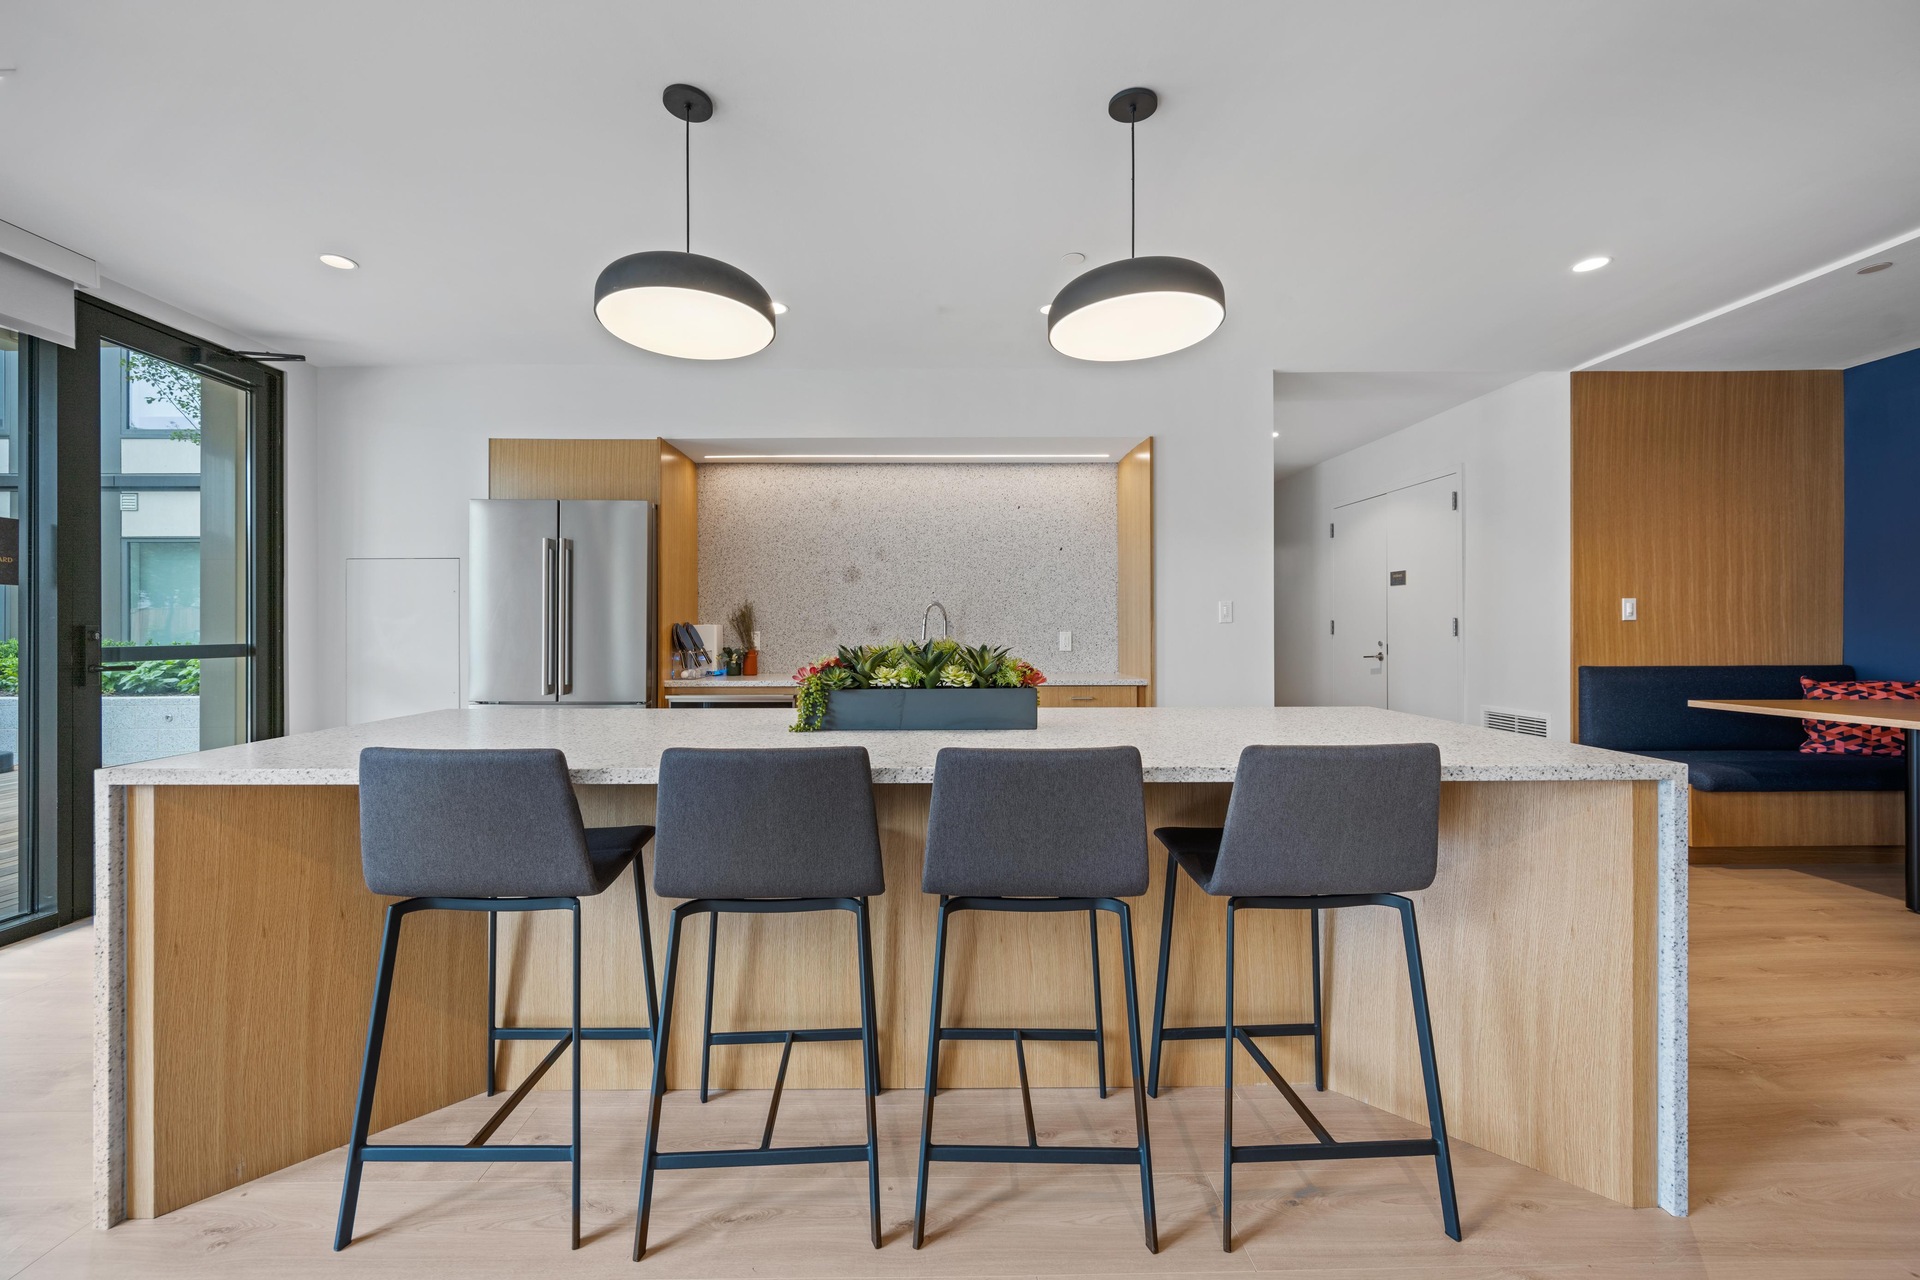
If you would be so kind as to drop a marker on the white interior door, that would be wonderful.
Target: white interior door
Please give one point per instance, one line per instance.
(1357, 639)
(1424, 669)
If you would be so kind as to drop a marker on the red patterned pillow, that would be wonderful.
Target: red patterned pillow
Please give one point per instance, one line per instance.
(1828, 737)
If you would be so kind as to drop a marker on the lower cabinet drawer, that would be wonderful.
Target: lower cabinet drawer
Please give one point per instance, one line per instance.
(1089, 695)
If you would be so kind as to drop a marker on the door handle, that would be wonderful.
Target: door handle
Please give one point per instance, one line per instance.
(566, 616)
(546, 615)
(1376, 657)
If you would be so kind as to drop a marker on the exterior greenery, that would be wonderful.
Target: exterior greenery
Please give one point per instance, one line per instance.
(937, 664)
(157, 678)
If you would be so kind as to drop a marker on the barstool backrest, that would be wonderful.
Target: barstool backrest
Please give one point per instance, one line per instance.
(1312, 820)
(766, 823)
(471, 824)
(1037, 824)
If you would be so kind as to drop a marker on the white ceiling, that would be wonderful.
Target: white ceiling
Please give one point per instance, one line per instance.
(1834, 321)
(1383, 186)
(1317, 416)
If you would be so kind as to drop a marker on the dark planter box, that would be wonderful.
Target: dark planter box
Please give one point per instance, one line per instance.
(932, 709)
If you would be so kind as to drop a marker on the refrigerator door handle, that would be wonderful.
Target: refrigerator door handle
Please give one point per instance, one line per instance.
(566, 616)
(546, 623)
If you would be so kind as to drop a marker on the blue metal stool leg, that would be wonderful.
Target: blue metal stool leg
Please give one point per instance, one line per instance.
(1099, 1023)
(1139, 1085)
(1319, 1023)
(577, 1055)
(1429, 1070)
(650, 1157)
(369, 1075)
(933, 1074)
(871, 1058)
(1226, 1092)
(1160, 981)
(493, 1007)
(646, 938)
(706, 1029)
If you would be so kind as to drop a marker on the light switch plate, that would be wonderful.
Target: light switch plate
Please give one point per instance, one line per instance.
(1226, 611)
(1629, 609)
(1066, 641)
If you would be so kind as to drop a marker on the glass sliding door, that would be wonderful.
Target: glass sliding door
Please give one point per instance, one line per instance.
(170, 562)
(17, 887)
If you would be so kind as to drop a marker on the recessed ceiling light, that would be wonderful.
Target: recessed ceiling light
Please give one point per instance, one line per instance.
(338, 262)
(1045, 308)
(1878, 266)
(1591, 264)
(779, 308)
(1276, 435)
(1073, 258)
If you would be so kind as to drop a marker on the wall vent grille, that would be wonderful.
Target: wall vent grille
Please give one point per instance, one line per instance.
(1530, 723)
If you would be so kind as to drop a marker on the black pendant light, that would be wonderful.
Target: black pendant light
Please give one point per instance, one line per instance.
(680, 303)
(1137, 307)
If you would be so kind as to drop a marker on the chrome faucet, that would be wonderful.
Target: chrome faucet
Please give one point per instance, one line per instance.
(946, 624)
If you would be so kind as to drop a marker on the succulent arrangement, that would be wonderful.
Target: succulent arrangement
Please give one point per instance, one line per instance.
(936, 664)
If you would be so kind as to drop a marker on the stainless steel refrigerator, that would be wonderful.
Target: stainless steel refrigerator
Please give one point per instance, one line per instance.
(559, 601)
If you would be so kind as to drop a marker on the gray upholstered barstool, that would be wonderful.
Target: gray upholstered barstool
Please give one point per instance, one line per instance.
(484, 831)
(1046, 831)
(757, 832)
(1314, 829)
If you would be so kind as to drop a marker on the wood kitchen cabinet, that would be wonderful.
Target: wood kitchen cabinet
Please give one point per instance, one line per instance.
(1089, 695)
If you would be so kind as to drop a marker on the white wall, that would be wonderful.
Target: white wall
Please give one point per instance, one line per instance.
(1512, 450)
(405, 448)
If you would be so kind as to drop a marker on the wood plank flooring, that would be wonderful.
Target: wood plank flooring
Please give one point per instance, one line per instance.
(1806, 1156)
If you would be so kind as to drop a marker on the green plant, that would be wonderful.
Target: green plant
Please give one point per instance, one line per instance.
(154, 678)
(933, 664)
(10, 666)
(741, 622)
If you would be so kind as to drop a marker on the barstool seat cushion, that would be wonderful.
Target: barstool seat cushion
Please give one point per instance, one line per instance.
(1196, 849)
(610, 849)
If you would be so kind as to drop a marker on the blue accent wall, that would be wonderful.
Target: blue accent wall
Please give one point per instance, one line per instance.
(1882, 638)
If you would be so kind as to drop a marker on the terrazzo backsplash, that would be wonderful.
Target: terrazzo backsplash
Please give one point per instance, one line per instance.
(832, 555)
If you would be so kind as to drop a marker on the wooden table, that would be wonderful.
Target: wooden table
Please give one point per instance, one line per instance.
(1884, 714)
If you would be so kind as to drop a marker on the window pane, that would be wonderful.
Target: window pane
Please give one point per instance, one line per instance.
(171, 708)
(174, 553)
(15, 887)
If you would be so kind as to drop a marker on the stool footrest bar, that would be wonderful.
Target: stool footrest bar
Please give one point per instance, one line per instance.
(586, 1033)
(1288, 1152)
(509, 1154)
(1244, 1028)
(1010, 1154)
(519, 1094)
(750, 1156)
(1017, 1033)
(805, 1035)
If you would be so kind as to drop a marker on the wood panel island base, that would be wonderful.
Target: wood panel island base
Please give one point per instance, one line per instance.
(237, 943)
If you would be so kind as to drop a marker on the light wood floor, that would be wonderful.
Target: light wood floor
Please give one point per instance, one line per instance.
(1806, 1156)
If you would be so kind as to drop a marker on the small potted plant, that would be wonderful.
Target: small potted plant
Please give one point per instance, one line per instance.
(741, 623)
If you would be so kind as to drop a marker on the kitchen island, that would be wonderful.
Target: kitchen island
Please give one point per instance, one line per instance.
(236, 947)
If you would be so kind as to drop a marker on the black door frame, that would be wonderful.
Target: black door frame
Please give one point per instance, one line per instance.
(67, 663)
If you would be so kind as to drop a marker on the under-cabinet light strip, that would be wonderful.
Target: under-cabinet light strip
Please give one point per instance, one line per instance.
(904, 457)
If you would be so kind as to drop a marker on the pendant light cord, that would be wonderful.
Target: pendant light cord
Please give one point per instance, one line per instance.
(687, 174)
(1133, 182)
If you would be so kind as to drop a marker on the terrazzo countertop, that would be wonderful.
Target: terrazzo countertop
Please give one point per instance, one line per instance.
(622, 745)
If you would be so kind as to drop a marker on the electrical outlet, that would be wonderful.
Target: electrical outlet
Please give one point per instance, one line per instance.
(1629, 609)
(1066, 641)
(1226, 611)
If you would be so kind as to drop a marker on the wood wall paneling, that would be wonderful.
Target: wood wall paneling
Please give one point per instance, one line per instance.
(1133, 481)
(253, 945)
(1717, 501)
(677, 558)
(579, 470)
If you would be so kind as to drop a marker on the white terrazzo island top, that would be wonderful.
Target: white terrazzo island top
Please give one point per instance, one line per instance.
(609, 746)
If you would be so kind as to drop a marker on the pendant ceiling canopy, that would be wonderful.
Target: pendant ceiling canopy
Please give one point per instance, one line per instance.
(681, 303)
(1136, 308)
